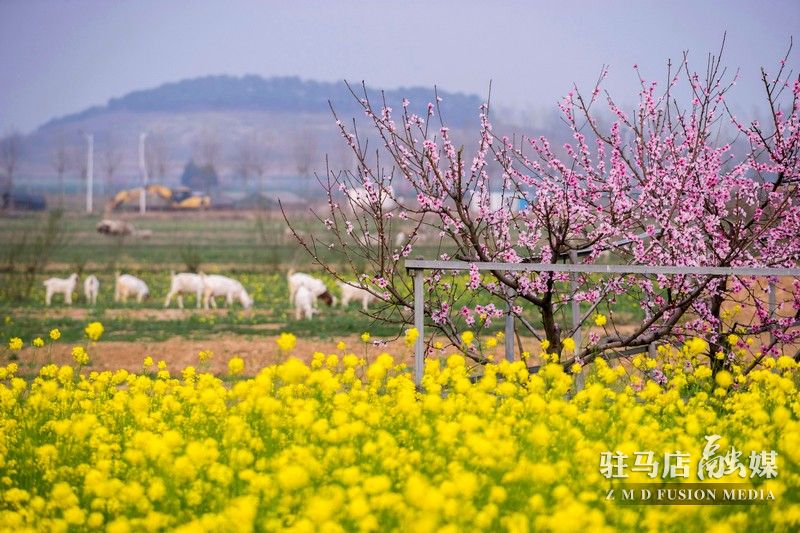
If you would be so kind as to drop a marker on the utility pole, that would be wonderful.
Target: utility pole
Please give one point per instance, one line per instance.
(89, 172)
(143, 170)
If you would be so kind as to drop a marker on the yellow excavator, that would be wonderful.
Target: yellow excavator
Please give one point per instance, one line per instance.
(178, 198)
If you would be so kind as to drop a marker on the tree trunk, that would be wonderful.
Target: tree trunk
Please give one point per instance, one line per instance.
(718, 343)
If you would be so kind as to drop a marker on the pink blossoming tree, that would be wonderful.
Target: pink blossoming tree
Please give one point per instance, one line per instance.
(652, 185)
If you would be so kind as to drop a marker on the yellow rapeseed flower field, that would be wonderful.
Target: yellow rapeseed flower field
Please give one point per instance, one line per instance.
(339, 445)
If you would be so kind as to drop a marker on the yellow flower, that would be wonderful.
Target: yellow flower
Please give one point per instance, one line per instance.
(162, 365)
(526, 356)
(292, 477)
(569, 344)
(467, 337)
(696, 346)
(38, 342)
(341, 345)
(235, 365)
(79, 355)
(724, 379)
(600, 320)
(15, 344)
(94, 330)
(188, 373)
(95, 520)
(205, 355)
(412, 334)
(545, 345)
(327, 444)
(148, 361)
(491, 342)
(365, 337)
(702, 372)
(286, 342)
(438, 345)
(55, 334)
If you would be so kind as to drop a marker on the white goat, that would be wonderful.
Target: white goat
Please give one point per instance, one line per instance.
(315, 286)
(91, 286)
(349, 292)
(60, 286)
(303, 303)
(185, 283)
(127, 285)
(231, 289)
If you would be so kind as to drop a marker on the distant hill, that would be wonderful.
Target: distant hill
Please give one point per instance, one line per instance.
(286, 119)
(282, 94)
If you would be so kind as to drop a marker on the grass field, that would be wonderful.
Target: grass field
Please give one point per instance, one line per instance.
(253, 247)
(215, 237)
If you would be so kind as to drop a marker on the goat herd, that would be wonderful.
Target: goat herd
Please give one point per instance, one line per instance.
(304, 291)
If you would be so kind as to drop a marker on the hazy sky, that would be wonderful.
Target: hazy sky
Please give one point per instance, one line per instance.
(59, 57)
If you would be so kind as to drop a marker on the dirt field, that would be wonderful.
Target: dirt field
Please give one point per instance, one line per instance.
(156, 314)
(179, 353)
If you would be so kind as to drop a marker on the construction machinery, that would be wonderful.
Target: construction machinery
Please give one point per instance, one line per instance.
(177, 198)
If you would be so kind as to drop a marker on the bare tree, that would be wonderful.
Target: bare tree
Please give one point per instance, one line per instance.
(158, 155)
(344, 157)
(60, 161)
(265, 142)
(207, 148)
(77, 160)
(10, 150)
(251, 158)
(112, 160)
(304, 150)
(245, 154)
(258, 168)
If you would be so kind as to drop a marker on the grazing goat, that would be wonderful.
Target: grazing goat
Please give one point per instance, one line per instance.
(231, 289)
(127, 285)
(303, 303)
(185, 283)
(117, 228)
(315, 286)
(60, 286)
(120, 228)
(349, 292)
(91, 286)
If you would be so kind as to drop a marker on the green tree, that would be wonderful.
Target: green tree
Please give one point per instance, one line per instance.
(199, 177)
